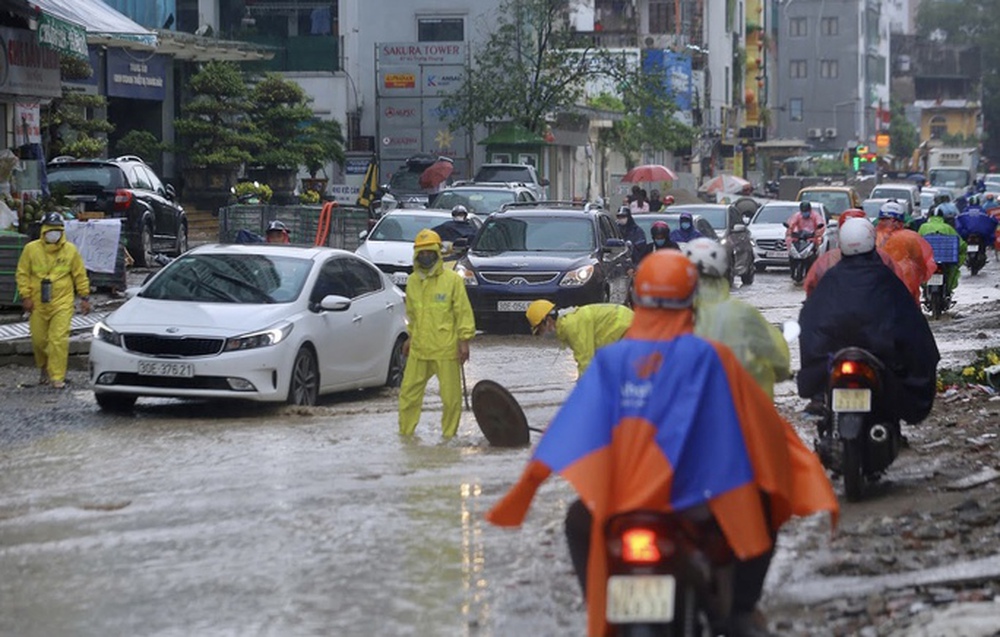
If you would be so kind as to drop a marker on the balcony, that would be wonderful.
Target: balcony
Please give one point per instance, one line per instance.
(606, 39)
(300, 52)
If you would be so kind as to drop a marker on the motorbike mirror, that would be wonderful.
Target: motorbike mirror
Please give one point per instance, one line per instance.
(791, 330)
(739, 228)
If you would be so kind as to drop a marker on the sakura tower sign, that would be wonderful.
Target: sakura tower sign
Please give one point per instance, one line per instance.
(413, 78)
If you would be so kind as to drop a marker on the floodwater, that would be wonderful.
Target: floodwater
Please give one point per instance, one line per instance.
(193, 519)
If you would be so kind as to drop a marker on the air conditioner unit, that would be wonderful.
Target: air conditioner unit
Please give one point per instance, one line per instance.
(830, 132)
(815, 133)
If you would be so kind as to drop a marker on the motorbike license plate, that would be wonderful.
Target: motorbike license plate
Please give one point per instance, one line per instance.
(973, 247)
(399, 278)
(513, 306)
(160, 368)
(936, 279)
(640, 599)
(852, 400)
(776, 254)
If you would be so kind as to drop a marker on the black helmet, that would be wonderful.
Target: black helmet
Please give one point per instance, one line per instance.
(660, 230)
(53, 219)
(805, 205)
(277, 226)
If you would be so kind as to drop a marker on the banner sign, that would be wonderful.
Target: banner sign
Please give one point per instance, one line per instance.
(26, 67)
(62, 36)
(134, 76)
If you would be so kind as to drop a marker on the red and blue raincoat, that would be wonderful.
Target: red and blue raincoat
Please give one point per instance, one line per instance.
(666, 420)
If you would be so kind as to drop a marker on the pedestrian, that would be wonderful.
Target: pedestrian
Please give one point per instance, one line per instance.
(583, 329)
(441, 325)
(664, 420)
(277, 232)
(655, 203)
(639, 203)
(50, 275)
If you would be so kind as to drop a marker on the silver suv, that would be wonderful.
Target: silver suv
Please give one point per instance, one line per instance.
(522, 174)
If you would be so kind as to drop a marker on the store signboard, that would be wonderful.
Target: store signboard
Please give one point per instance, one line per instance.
(136, 76)
(26, 67)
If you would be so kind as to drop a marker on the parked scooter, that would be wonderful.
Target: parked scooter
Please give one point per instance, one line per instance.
(668, 574)
(859, 437)
(801, 254)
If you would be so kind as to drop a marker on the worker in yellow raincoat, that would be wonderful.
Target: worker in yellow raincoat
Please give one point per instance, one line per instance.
(50, 274)
(758, 345)
(441, 325)
(582, 329)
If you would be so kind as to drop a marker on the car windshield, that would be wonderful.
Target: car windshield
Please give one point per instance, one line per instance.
(871, 208)
(891, 193)
(834, 202)
(949, 178)
(714, 215)
(405, 181)
(403, 227)
(103, 176)
(480, 202)
(775, 213)
(503, 233)
(504, 174)
(230, 278)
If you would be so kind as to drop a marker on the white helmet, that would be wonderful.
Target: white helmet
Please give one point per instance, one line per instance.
(857, 236)
(711, 258)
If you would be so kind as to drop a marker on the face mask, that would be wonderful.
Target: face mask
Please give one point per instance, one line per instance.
(659, 243)
(622, 221)
(805, 214)
(426, 260)
(458, 218)
(52, 236)
(686, 225)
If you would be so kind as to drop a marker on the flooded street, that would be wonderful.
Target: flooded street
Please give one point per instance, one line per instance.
(236, 519)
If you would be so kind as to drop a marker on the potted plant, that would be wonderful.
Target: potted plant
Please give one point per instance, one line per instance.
(324, 143)
(280, 113)
(216, 133)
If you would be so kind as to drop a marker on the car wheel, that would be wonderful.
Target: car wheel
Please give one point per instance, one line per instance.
(115, 402)
(303, 387)
(397, 363)
(144, 258)
(182, 240)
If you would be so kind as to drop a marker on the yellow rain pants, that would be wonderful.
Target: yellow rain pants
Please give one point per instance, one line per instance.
(411, 393)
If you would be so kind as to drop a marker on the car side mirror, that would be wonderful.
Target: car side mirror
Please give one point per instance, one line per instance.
(612, 244)
(171, 193)
(462, 243)
(543, 182)
(363, 235)
(335, 303)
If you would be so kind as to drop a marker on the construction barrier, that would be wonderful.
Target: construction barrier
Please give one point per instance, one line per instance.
(330, 224)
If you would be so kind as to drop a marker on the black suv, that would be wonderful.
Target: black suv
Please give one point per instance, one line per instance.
(565, 252)
(125, 188)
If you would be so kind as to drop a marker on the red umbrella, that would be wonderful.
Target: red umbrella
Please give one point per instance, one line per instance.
(729, 184)
(436, 174)
(649, 173)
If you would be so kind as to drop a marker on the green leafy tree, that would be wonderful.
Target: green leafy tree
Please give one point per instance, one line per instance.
(323, 142)
(903, 136)
(71, 128)
(281, 114)
(216, 129)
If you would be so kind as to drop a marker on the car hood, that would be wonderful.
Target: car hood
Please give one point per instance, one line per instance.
(156, 316)
(529, 261)
(767, 230)
(388, 252)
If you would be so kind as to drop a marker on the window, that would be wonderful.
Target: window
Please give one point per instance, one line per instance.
(797, 69)
(939, 127)
(795, 109)
(829, 68)
(139, 179)
(364, 279)
(440, 29)
(829, 26)
(661, 16)
(797, 28)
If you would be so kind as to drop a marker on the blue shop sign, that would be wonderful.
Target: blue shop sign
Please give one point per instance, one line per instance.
(136, 75)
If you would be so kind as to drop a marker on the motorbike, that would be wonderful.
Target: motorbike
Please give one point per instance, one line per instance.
(858, 436)
(669, 574)
(976, 251)
(936, 295)
(801, 254)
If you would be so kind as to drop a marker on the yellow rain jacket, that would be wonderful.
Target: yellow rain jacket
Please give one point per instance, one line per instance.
(439, 311)
(758, 345)
(61, 264)
(587, 328)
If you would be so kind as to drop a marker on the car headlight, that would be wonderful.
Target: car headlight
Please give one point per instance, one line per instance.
(578, 276)
(467, 274)
(104, 333)
(264, 338)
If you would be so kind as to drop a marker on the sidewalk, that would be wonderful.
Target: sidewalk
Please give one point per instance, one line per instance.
(15, 339)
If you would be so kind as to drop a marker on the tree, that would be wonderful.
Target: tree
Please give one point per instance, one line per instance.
(903, 136)
(530, 67)
(324, 142)
(280, 113)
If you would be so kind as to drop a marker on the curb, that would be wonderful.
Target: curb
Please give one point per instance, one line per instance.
(18, 352)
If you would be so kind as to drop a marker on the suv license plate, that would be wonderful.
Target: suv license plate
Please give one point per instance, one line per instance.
(852, 400)
(178, 370)
(512, 306)
(776, 254)
(640, 598)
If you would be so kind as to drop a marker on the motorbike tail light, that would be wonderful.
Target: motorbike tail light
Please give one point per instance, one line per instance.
(855, 373)
(848, 368)
(639, 546)
(123, 199)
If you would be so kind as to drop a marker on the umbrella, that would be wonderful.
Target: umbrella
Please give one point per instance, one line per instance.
(649, 173)
(917, 178)
(436, 174)
(730, 184)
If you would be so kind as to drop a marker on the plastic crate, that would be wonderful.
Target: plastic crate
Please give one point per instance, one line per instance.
(232, 219)
(8, 289)
(11, 245)
(347, 224)
(945, 247)
(302, 222)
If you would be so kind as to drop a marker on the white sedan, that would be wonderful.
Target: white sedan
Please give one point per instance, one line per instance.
(262, 322)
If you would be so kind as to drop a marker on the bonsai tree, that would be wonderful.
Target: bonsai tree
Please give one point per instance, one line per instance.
(142, 143)
(323, 143)
(280, 113)
(70, 131)
(216, 130)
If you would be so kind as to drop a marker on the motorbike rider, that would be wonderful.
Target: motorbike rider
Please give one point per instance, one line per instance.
(459, 227)
(758, 344)
(990, 202)
(659, 232)
(943, 222)
(632, 233)
(583, 329)
(861, 303)
(908, 249)
(832, 257)
(277, 232)
(661, 382)
(805, 221)
(685, 231)
(976, 221)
